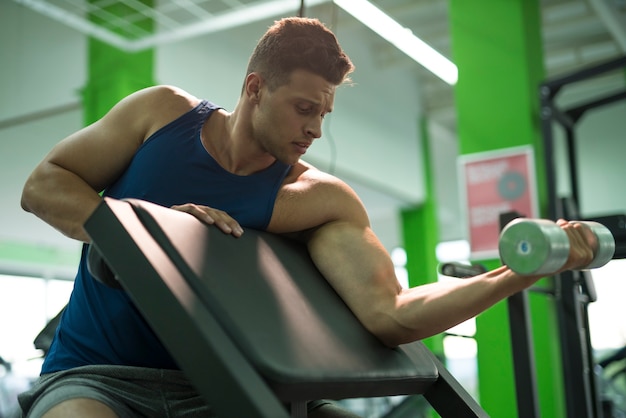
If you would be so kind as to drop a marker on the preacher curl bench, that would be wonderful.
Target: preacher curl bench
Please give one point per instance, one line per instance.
(252, 322)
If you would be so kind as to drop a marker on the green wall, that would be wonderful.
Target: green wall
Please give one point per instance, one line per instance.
(112, 73)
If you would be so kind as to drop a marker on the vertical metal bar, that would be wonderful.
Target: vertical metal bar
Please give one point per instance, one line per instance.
(576, 382)
(523, 356)
(576, 402)
(572, 161)
(546, 95)
(593, 389)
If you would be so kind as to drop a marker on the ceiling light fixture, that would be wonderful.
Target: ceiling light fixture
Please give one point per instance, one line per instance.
(401, 37)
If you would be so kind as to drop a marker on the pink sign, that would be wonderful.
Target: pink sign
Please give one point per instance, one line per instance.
(494, 183)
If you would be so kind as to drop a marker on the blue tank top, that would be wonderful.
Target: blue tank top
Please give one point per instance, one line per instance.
(101, 325)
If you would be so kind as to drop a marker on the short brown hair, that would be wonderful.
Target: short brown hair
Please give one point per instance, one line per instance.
(299, 43)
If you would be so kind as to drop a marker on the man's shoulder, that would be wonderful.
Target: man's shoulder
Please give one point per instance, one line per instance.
(310, 198)
(165, 104)
(167, 96)
(305, 176)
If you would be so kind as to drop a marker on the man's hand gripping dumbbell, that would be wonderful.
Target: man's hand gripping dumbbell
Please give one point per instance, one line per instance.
(537, 247)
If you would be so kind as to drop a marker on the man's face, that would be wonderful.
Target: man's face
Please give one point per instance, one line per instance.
(288, 119)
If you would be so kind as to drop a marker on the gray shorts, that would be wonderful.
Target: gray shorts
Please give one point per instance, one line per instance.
(130, 391)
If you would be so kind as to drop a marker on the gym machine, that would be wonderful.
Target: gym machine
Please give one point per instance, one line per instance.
(252, 322)
(573, 290)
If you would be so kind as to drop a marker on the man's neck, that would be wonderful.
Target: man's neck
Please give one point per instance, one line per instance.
(229, 139)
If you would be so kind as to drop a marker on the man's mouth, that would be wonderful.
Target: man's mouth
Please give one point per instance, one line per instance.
(301, 147)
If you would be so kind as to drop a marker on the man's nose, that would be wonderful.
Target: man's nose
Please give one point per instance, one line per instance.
(314, 128)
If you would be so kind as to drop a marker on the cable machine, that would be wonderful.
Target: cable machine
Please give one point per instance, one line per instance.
(574, 290)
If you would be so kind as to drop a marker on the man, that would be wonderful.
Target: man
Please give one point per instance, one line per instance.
(233, 170)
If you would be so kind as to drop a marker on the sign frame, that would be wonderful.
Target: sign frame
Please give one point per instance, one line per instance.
(495, 182)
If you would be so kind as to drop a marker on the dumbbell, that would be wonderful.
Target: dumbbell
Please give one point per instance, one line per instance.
(539, 246)
(99, 269)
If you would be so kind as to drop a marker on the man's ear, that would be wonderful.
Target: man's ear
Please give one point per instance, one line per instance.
(254, 84)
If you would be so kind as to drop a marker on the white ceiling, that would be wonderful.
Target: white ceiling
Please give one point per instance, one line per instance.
(576, 33)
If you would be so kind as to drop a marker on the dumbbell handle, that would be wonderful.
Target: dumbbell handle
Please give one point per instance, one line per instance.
(539, 246)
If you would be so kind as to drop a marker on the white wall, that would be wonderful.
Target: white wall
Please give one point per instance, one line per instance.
(42, 62)
(600, 138)
(601, 144)
(42, 66)
(20, 150)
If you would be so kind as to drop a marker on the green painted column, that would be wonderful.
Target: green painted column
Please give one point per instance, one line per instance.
(497, 47)
(113, 73)
(421, 235)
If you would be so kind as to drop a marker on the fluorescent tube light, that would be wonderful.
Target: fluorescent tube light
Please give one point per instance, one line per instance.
(401, 37)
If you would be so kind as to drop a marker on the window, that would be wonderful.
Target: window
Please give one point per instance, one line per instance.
(26, 306)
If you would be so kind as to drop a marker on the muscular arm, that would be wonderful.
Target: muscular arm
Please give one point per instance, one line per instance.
(63, 189)
(352, 259)
(359, 268)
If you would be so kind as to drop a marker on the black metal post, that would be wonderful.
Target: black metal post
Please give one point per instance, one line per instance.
(523, 355)
(580, 386)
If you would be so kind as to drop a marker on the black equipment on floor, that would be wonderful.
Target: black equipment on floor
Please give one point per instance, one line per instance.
(43, 340)
(254, 316)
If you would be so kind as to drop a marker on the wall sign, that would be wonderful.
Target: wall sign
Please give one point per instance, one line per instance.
(495, 182)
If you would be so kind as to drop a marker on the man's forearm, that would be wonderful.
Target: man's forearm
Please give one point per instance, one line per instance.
(61, 199)
(430, 309)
